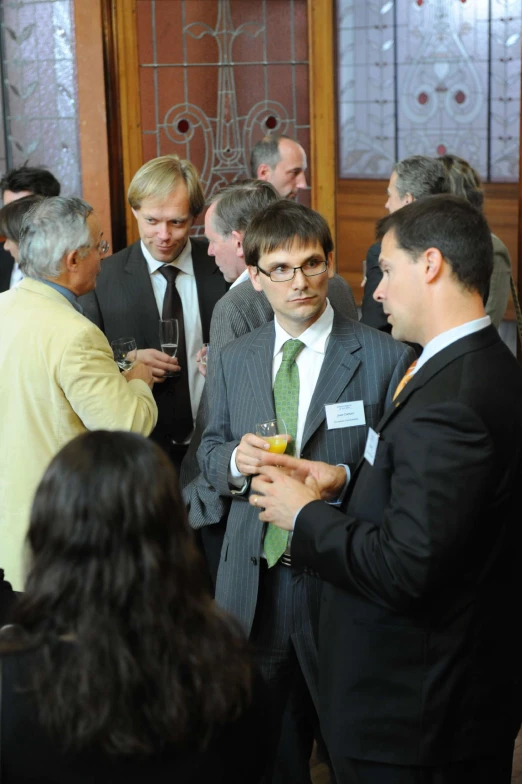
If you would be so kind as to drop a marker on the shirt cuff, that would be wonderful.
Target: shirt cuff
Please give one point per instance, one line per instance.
(236, 479)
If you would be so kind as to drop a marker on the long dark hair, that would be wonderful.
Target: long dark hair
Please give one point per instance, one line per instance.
(115, 570)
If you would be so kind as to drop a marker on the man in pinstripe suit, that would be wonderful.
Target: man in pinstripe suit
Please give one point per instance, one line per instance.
(288, 250)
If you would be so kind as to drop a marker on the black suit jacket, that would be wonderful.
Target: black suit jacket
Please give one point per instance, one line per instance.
(420, 641)
(6, 268)
(123, 304)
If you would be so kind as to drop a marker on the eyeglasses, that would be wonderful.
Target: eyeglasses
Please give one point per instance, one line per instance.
(103, 247)
(282, 273)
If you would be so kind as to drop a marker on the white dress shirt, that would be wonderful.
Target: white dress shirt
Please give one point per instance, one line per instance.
(445, 339)
(187, 289)
(16, 275)
(244, 276)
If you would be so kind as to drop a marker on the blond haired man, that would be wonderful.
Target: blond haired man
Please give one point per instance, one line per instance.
(163, 275)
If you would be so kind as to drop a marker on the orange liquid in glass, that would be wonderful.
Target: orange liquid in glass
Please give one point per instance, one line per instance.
(277, 444)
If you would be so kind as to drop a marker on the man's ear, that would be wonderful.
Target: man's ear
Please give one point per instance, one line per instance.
(70, 262)
(238, 239)
(408, 199)
(254, 277)
(434, 264)
(263, 171)
(135, 212)
(331, 268)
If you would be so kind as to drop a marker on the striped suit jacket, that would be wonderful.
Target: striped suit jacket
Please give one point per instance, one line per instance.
(241, 310)
(360, 364)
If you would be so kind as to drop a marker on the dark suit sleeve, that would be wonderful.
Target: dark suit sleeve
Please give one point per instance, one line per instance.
(91, 309)
(341, 298)
(437, 472)
(217, 445)
(372, 313)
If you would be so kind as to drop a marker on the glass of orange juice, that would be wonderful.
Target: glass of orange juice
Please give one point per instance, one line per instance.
(274, 432)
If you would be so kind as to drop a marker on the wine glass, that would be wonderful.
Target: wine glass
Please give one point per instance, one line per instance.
(168, 331)
(125, 352)
(274, 432)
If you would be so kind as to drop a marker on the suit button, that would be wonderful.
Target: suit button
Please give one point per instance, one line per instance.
(254, 560)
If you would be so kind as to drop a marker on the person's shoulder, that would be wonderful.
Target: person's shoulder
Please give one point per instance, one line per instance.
(372, 338)
(114, 265)
(250, 340)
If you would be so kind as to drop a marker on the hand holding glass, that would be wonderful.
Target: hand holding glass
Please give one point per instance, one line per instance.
(274, 433)
(125, 352)
(204, 353)
(168, 329)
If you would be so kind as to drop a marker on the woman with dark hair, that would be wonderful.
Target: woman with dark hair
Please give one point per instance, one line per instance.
(119, 666)
(465, 182)
(11, 219)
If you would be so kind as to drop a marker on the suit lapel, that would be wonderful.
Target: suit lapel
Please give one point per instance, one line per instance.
(259, 369)
(138, 290)
(336, 373)
(474, 342)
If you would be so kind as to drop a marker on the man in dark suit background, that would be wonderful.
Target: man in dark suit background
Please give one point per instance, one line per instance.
(341, 365)
(412, 178)
(419, 641)
(163, 275)
(15, 184)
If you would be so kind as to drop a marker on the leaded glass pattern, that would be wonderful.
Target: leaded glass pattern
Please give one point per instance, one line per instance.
(216, 76)
(40, 88)
(428, 77)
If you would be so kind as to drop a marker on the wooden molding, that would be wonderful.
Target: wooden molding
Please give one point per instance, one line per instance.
(92, 110)
(323, 125)
(125, 26)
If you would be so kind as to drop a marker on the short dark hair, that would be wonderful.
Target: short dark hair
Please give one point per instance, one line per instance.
(453, 226)
(266, 151)
(421, 176)
(464, 180)
(35, 179)
(281, 225)
(237, 203)
(12, 216)
(115, 566)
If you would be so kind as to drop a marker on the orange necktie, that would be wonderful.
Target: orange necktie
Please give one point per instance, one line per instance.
(404, 380)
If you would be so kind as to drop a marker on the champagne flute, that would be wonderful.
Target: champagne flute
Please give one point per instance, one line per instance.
(274, 432)
(168, 330)
(125, 352)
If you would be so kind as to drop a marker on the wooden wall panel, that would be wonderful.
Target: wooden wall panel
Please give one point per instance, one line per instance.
(360, 203)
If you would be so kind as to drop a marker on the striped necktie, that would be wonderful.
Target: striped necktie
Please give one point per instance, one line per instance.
(404, 380)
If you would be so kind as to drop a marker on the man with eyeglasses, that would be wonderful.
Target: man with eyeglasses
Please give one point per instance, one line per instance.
(58, 377)
(329, 378)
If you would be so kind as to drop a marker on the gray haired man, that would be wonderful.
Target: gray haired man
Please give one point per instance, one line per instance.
(281, 161)
(58, 377)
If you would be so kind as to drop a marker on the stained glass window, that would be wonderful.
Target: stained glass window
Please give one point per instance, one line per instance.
(39, 89)
(428, 77)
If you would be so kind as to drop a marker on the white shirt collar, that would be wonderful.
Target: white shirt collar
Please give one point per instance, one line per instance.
(445, 339)
(315, 337)
(244, 276)
(183, 262)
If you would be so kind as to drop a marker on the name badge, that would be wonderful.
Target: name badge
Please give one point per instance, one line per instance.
(345, 414)
(371, 446)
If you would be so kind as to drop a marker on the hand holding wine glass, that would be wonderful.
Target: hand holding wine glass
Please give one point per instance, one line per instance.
(125, 352)
(169, 330)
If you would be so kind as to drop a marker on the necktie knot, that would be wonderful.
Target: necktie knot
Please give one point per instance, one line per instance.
(169, 272)
(291, 349)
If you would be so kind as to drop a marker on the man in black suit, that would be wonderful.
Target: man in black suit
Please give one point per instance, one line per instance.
(16, 183)
(164, 275)
(419, 641)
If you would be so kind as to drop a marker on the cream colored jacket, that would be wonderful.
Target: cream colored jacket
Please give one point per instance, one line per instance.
(58, 378)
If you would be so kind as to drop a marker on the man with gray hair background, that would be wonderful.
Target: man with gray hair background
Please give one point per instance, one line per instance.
(281, 161)
(58, 377)
(412, 178)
